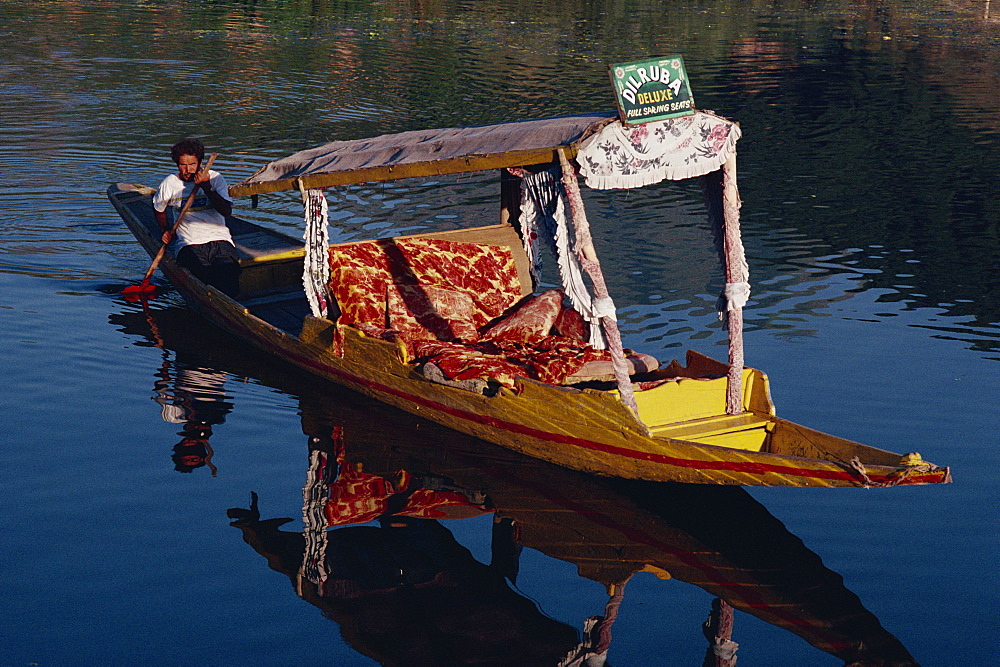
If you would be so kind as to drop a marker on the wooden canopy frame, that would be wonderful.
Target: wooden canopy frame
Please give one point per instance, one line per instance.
(428, 153)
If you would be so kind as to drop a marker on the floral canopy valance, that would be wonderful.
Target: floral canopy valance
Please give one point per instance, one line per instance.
(631, 156)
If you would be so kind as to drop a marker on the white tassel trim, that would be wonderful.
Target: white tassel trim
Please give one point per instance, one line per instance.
(737, 295)
(605, 308)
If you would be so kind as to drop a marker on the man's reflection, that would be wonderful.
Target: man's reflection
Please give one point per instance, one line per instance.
(195, 398)
(193, 451)
(188, 387)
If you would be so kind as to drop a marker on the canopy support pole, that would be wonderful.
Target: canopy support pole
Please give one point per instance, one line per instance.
(718, 631)
(596, 640)
(737, 274)
(588, 260)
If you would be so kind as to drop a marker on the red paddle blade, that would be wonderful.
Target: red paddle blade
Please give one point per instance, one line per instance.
(142, 290)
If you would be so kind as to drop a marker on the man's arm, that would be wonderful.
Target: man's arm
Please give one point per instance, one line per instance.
(161, 219)
(219, 203)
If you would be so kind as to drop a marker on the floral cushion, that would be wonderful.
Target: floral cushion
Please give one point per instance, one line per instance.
(420, 312)
(531, 321)
(570, 324)
(361, 273)
(551, 359)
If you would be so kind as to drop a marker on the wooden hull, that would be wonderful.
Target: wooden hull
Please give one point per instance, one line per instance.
(586, 430)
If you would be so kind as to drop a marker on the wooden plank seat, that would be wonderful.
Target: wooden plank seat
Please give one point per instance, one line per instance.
(457, 308)
(744, 431)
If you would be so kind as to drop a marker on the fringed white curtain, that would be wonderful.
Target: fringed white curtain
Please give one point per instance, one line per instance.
(315, 494)
(543, 216)
(316, 267)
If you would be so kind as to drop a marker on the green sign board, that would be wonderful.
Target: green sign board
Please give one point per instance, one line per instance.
(652, 89)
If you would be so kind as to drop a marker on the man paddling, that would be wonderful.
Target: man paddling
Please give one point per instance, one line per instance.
(204, 244)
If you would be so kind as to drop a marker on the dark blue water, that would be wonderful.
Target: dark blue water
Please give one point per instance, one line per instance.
(870, 221)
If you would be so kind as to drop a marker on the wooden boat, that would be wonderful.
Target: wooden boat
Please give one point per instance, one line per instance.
(370, 314)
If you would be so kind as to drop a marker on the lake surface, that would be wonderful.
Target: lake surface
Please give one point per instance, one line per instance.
(868, 172)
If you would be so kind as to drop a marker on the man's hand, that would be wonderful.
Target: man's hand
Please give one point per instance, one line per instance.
(203, 179)
(161, 219)
(219, 203)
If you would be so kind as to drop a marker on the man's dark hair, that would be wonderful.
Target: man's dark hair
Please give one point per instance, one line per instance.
(186, 448)
(187, 147)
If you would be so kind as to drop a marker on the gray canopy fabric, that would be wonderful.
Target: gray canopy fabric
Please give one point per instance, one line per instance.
(423, 153)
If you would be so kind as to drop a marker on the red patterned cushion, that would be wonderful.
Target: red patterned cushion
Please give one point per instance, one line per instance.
(570, 324)
(357, 497)
(430, 504)
(531, 321)
(420, 290)
(425, 312)
(467, 362)
(551, 359)
(361, 273)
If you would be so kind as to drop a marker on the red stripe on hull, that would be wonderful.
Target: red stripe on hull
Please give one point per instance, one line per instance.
(745, 467)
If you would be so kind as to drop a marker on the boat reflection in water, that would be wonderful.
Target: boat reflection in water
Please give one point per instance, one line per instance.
(404, 591)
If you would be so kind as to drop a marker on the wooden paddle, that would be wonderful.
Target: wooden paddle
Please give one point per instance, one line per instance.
(144, 288)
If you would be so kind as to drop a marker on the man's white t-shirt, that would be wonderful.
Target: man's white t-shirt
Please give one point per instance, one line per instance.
(202, 222)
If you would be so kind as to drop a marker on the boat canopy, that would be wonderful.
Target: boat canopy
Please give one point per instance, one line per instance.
(423, 153)
(609, 154)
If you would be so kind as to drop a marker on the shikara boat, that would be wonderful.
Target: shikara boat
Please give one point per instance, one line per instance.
(448, 324)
